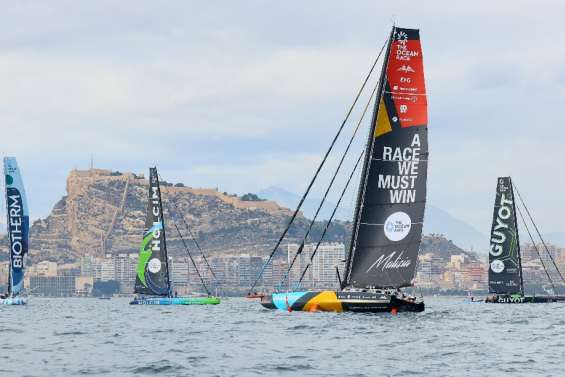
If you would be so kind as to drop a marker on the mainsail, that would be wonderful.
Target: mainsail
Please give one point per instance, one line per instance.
(392, 193)
(152, 276)
(17, 222)
(505, 271)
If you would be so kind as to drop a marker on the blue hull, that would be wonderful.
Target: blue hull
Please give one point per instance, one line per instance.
(176, 301)
(13, 301)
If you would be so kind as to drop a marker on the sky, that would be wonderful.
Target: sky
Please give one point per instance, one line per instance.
(248, 94)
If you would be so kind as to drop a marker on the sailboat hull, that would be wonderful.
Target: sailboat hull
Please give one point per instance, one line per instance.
(13, 301)
(176, 301)
(332, 301)
(509, 299)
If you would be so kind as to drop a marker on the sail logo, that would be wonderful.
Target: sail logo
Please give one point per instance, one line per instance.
(406, 69)
(402, 37)
(154, 265)
(497, 266)
(388, 262)
(397, 226)
(156, 210)
(402, 51)
(501, 226)
(511, 299)
(16, 225)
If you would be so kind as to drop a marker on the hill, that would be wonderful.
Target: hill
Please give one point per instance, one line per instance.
(104, 213)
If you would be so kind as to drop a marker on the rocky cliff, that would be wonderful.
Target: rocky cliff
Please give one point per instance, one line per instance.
(104, 212)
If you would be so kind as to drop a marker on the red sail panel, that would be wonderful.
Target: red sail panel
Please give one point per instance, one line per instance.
(405, 77)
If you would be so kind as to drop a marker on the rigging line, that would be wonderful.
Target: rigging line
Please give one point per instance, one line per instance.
(8, 231)
(197, 244)
(331, 218)
(193, 238)
(297, 210)
(200, 249)
(537, 250)
(301, 247)
(366, 165)
(539, 234)
(192, 259)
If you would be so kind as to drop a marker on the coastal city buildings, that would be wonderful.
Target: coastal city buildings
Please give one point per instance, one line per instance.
(115, 274)
(322, 270)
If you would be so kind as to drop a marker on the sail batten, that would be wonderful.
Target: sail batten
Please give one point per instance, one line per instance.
(17, 223)
(505, 265)
(392, 194)
(152, 274)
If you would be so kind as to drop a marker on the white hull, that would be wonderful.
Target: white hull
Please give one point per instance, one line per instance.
(13, 301)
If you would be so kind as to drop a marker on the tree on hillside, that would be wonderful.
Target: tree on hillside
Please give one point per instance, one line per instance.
(249, 197)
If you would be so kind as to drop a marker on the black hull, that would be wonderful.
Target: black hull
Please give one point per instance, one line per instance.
(507, 299)
(332, 301)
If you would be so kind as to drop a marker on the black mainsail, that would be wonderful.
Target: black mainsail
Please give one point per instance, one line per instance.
(152, 276)
(505, 264)
(392, 194)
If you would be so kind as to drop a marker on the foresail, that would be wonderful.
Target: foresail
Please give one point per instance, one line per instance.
(152, 275)
(392, 194)
(505, 270)
(17, 222)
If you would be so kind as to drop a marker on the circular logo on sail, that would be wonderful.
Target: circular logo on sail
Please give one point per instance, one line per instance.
(154, 265)
(497, 266)
(9, 180)
(397, 226)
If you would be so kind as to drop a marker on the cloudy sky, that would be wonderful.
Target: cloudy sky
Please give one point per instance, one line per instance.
(242, 95)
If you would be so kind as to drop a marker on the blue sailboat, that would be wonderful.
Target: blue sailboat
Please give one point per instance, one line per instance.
(17, 216)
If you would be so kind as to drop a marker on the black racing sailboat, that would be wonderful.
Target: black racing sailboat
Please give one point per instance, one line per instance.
(389, 214)
(152, 281)
(505, 274)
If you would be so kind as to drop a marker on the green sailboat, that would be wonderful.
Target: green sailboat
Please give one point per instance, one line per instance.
(152, 283)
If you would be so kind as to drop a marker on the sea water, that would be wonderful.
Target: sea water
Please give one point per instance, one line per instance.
(90, 337)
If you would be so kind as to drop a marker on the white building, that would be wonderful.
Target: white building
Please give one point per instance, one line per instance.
(322, 270)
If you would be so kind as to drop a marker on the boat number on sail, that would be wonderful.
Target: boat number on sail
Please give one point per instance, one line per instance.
(154, 265)
(397, 226)
(402, 186)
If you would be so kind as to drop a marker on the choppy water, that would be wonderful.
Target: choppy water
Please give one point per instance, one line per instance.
(73, 337)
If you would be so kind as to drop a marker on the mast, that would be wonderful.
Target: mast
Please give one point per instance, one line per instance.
(8, 230)
(164, 234)
(521, 271)
(392, 194)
